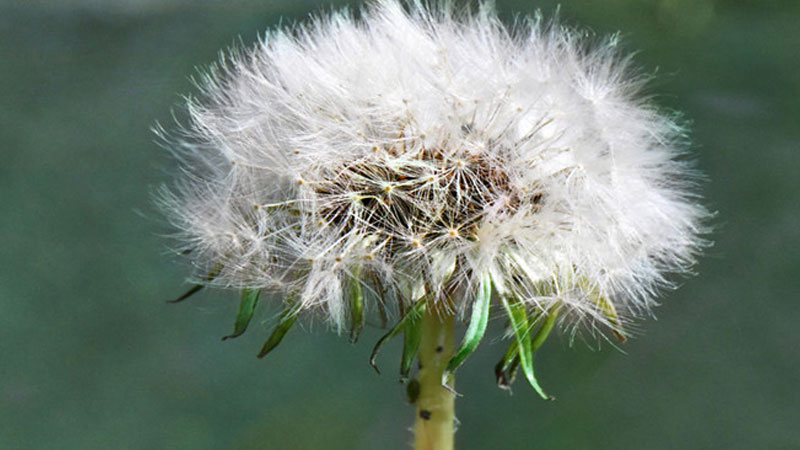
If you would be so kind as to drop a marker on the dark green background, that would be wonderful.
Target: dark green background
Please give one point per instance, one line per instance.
(92, 358)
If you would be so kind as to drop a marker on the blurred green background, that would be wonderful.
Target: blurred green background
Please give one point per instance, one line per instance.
(92, 358)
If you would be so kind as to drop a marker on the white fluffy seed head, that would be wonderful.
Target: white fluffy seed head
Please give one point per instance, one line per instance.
(414, 150)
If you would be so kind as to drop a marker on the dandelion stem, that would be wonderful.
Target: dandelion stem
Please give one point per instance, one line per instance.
(434, 427)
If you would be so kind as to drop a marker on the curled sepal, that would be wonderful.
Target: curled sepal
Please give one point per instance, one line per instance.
(414, 311)
(247, 306)
(412, 334)
(197, 287)
(356, 308)
(476, 328)
(286, 320)
(518, 317)
(506, 369)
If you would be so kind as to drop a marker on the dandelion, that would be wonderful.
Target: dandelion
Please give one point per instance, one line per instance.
(435, 163)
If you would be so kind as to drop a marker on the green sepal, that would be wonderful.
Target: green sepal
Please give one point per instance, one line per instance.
(606, 307)
(506, 369)
(414, 311)
(412, 334)
(518, 317)
(356, 308)
(193, 290)
(611, 313)
(247, 306)
(197, 287)
(476, 328)
(380, 303)
(285, 322)
(547, 326)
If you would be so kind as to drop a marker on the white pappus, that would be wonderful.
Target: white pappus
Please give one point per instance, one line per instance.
(414, 150)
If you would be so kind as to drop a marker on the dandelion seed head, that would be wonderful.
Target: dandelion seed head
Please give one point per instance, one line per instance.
(422, 148)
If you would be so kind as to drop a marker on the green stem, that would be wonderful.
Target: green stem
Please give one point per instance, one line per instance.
(433, 429)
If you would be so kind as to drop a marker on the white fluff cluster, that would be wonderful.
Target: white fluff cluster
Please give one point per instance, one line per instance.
(414, 150)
